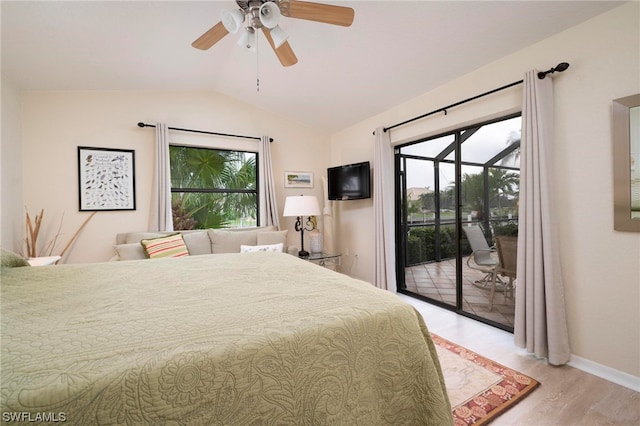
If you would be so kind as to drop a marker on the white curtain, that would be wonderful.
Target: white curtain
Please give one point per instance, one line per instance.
(327, 219)
(540, 318)
(384, 275)
(161, 217)
(268, 189)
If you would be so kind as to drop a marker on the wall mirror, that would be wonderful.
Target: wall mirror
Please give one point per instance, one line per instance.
(626, 163)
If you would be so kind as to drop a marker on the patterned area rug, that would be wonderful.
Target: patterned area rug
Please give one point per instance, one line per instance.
(479, 389)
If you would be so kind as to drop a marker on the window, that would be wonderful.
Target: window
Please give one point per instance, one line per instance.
(213, 188)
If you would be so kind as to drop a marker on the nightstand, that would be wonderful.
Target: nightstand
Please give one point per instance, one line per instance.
(327, 260)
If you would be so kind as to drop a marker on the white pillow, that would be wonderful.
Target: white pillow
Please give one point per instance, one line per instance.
(269, 247)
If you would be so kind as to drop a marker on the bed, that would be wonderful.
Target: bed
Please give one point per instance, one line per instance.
(222, 339)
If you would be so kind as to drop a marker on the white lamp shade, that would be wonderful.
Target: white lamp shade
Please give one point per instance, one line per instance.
(248, 39)
(301, 205)
(269, 14)
(232, 20)
(279, 36)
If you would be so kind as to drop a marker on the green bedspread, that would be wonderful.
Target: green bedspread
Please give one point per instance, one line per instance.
(224, 339)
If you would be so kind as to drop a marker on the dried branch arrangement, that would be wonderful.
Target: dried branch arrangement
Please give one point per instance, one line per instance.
(32, 234)
(33, 230)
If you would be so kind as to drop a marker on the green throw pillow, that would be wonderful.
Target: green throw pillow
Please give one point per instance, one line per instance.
(11, 259)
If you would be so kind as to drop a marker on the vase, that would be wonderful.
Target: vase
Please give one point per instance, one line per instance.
(315, 241)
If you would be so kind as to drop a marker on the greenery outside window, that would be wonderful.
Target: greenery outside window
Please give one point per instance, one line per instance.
(469, 176)
(213, 188)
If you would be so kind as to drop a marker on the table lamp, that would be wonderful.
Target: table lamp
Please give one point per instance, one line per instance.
(300, 206)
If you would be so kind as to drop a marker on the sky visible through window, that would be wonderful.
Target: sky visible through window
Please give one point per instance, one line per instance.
(483, 145)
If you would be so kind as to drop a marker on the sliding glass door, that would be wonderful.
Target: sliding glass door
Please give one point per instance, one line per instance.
(454, 193)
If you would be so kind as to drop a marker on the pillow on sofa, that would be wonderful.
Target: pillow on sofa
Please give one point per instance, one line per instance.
(269, 247)
(169, 246)
(131, 251)
(229, 241)
(197, 242)
(273, 237)
(9, 259)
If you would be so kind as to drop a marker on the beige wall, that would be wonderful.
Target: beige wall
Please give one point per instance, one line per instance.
(601, 267)
(10, 166)
(56, 123)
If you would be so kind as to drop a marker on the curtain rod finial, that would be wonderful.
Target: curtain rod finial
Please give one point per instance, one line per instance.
(562, 66)
(141, 124)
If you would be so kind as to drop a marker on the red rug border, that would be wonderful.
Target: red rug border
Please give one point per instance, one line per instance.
(472, 411)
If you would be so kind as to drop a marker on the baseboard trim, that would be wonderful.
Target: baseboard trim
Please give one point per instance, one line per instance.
(607, 373)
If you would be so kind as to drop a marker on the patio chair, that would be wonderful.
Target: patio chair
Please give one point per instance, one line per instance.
(480, 258)
(507, 248)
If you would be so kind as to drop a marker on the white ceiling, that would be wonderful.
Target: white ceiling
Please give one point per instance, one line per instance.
(394, 51)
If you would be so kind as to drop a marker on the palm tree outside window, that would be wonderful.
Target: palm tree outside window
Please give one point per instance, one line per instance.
(213, 188)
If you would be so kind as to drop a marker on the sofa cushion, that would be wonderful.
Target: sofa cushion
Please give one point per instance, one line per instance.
(131, 251)
(136, 237)
(168, 246)
(230, 240)
(197, 242)
(273, 237)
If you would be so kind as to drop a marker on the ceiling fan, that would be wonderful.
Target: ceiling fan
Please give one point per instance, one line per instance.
(265, 15)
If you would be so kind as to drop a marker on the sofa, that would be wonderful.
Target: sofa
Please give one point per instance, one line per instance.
(129, 245)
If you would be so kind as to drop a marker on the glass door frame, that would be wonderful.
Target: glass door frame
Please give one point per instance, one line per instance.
(401, 213)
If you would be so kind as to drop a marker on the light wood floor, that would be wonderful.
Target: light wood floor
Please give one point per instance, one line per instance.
(567, 396)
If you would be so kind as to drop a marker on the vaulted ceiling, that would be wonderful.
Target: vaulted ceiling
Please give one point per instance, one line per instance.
(394, 51)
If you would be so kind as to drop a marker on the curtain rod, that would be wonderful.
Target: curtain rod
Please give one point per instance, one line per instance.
(541, 75)
(141, 124)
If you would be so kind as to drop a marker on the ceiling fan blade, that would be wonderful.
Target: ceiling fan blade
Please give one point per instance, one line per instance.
(284, 52)
(326, 13)
(211, 37)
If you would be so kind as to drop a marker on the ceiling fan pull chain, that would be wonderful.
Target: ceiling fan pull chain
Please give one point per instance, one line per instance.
(257, 62)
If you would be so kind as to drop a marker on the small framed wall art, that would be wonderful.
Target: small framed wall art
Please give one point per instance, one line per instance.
(298, 180)
(106, 179)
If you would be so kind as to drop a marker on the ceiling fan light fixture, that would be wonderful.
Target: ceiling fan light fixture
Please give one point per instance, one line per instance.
(232, 20)
(254, 15)
(279, 36)
(248, 39)
(270, 14)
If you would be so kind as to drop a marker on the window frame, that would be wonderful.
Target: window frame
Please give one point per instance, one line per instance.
(241, 147)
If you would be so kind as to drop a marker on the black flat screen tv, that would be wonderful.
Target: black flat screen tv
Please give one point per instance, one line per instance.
(349, 182)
